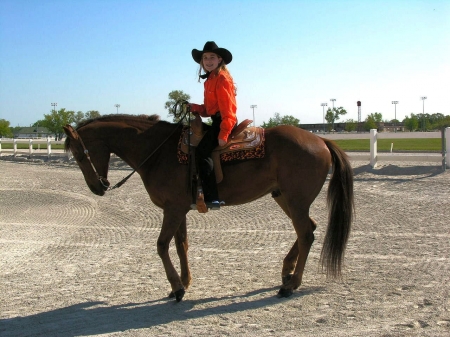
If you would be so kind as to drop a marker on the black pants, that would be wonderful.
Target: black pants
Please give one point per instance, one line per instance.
(204, 161)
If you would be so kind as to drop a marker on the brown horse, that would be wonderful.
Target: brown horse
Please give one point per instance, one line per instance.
(294, 169)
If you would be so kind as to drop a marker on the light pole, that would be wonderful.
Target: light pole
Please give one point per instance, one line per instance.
(117, 106)
(333, 100)
(395, 118)
(423, 98)
(253, 107)
(323, 114)
(54, 110)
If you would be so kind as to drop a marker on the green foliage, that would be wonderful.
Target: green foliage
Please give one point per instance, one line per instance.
(333, 115)
(411, 123)
(91, 114)
(78, 117)
(281, 120)
(426, 122)
(55, 121)
(5, 130)
(370, 123)
(351, 125)
(377, 117)
(174, 97)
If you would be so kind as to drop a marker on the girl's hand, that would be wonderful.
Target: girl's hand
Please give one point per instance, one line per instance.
(195, 108)
(222, 142)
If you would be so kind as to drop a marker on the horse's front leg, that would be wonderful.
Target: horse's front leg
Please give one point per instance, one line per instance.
(173, 218)
(181, 242)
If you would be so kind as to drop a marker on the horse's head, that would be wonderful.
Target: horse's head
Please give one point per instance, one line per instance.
(92, 156)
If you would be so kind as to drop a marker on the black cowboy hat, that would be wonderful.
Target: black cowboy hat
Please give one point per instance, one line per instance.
(211, 47)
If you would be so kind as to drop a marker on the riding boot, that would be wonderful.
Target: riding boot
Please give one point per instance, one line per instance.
(209, 184)
(208, 178)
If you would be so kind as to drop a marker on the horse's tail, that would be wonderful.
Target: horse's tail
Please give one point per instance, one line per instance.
(341, 209)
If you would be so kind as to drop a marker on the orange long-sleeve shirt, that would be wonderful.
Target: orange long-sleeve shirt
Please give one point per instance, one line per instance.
(220, 97)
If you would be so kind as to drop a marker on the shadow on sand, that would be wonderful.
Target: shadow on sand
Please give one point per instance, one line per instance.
(92, 318)
(394, 170)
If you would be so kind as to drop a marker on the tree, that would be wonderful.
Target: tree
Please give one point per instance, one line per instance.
(281, 120)
(78, 117)
(334, 114)
(377, 117)
(373, 121)
(350, 125)
(55, 121)
(443, 123)
(174, 97)
(411, 123)
(370, 123)
(5, 130)
(91, 114)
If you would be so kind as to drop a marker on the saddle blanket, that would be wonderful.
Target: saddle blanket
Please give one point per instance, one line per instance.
(248, 146)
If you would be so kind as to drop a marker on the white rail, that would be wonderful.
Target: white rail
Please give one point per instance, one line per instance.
(15, 151)
(374, 157)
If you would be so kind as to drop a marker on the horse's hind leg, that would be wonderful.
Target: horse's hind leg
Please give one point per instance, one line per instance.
(181, 242)
(304, 227)
(290, 261)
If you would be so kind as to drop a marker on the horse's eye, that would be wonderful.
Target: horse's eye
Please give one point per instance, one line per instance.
(79, 157)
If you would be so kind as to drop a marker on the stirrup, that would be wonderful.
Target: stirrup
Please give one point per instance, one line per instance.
(215, 205)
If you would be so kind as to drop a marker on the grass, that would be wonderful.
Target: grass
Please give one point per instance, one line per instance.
(23, 146)
(412, 144)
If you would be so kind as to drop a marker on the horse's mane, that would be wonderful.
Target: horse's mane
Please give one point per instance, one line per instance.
(129, 119)
(120, 117)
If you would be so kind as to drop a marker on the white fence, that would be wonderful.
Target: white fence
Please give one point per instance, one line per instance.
(30, 151)
(374, 157)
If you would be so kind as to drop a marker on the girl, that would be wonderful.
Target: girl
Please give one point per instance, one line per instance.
(220, 105)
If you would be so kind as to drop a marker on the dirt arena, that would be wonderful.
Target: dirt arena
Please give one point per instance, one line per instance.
(74, 264)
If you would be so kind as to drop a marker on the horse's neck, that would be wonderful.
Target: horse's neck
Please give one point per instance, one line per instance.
(134, 144)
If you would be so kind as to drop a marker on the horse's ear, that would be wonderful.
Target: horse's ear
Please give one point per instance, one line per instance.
(70, 131)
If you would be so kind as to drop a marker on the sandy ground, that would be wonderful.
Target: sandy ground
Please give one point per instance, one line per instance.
(74, 264)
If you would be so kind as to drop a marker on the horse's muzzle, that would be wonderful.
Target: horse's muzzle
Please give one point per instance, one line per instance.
(105, 183)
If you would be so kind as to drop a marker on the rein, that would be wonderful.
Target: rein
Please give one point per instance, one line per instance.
(186, 110)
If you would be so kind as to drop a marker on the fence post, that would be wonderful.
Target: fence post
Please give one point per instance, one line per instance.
(15, 147)
(30, 147)
(447, 146)
(0, 147)
(49, 147)
(373, 147)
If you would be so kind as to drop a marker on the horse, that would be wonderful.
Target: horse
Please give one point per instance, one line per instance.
(294, 170)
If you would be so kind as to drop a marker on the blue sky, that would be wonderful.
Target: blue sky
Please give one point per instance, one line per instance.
(288, 56)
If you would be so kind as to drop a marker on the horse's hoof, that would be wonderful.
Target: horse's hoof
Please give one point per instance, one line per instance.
(285, 292)
(179, 294)
(286, 279)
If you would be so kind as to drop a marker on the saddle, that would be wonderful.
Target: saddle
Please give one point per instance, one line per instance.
(244, 143)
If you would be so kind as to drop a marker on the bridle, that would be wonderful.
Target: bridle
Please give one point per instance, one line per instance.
(105, 183)
(86, 153)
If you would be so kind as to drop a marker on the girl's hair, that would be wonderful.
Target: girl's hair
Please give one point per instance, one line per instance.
(222, 67)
